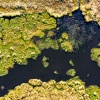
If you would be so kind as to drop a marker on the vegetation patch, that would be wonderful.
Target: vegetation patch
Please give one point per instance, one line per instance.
(36, 89)
(95, 55)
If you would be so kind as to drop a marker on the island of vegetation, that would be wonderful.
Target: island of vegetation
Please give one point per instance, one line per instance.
(35, 89)
(45, 61)
(71, 72)
(95, 55)
(71, 63)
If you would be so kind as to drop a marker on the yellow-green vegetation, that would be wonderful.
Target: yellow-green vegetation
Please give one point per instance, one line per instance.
(94, 92)
(50, 34)
(71, 72)
(47, 43)
(16, 44)
(45, 62)
(56, 8)
(56, 72)
(66, 46)
(95, 55)
(71, 63)
(61, 43)
(35, 89)
(25, 37)
(64, 36)
(64, 43)
(91, 10)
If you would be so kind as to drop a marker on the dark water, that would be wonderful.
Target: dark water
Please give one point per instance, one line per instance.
(77, 29)
(59, 61)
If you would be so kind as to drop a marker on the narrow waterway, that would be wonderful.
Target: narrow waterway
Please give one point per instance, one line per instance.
(87, 70)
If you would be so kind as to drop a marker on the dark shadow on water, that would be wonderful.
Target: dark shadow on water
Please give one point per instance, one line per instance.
(87, 70)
